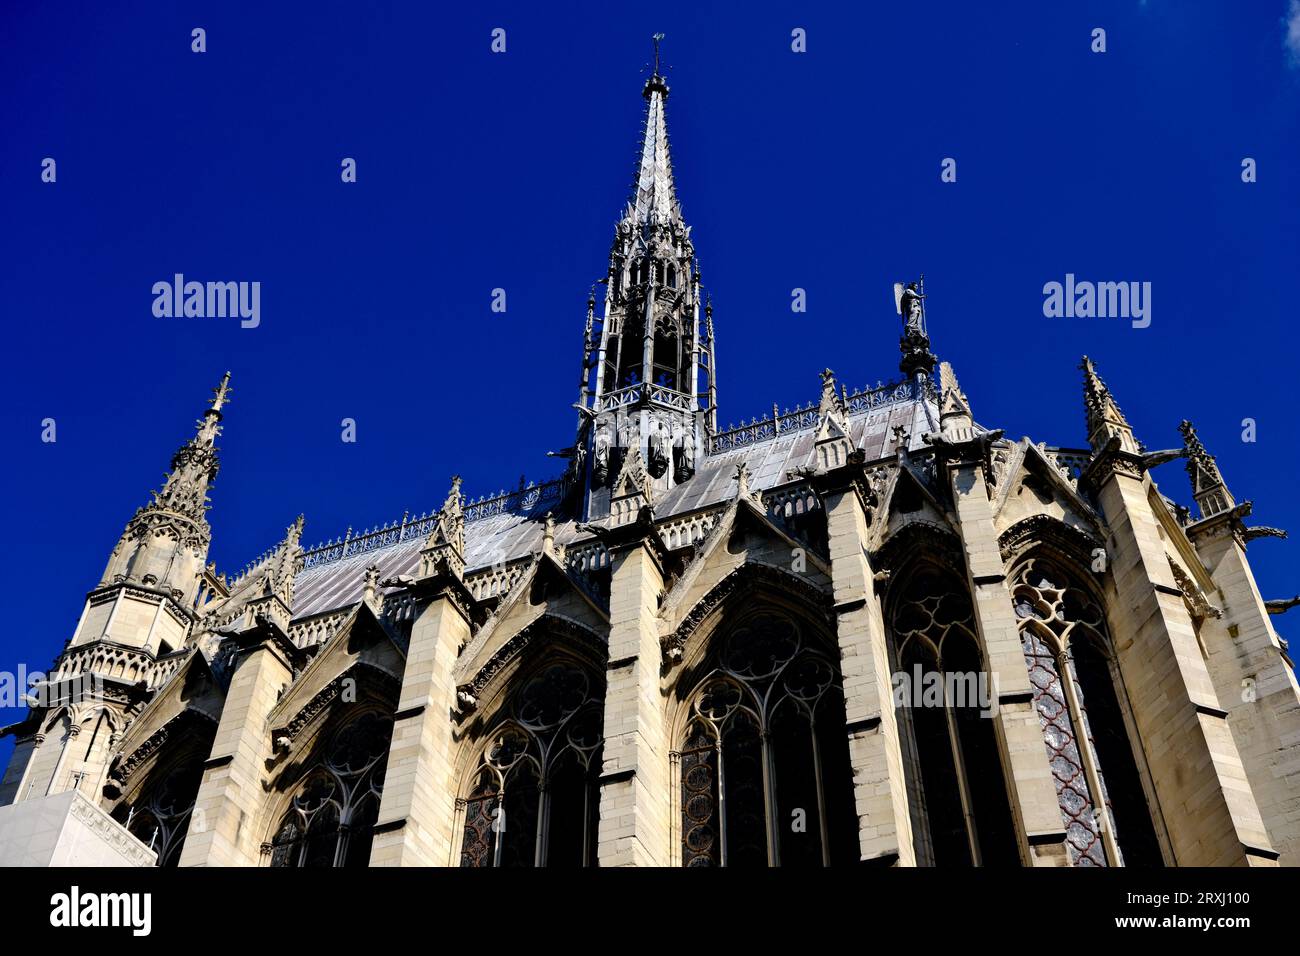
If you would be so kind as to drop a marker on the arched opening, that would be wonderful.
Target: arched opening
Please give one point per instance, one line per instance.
(532, 797)
(158, 812)
(331, 816)
(1078, 697)
(957, 787)
(764, 764)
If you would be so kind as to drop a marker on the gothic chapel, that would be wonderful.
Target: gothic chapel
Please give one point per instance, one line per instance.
(685, 650)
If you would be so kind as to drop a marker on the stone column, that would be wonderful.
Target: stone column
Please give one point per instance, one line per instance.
(1255, 683)
(416, 813)
(875, 752)
(634, 781)
(1212, 818)
(1019, 731)
(225, 828)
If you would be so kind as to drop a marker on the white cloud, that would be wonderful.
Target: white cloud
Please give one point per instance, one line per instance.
(1292, 40)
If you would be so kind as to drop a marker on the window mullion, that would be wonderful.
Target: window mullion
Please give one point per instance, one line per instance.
(499, 826)
(540, 852)
(1083, 738)
(769, 800)
(722, 802)
(959, 766)
(821, 794)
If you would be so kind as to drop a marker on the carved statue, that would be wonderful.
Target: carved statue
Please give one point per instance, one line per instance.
(600, 467)
(684, 467)
(910, 305)
(659, 448)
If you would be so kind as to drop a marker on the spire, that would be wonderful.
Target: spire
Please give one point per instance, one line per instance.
(650, 373)
(1105, 420)
(165, 543)
(195, 464)
(1208, 487)
(654, 197)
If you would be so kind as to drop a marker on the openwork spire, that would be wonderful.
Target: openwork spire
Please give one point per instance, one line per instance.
(1105, 420)
(1208, 487)
(653, 389)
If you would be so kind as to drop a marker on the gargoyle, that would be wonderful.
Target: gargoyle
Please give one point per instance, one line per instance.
(1281, 606)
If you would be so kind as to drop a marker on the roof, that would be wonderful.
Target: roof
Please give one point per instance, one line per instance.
(333, 577)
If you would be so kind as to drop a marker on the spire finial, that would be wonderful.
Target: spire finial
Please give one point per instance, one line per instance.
(220, 394)
(1105, 420)
(656, 83)
(1209, 489)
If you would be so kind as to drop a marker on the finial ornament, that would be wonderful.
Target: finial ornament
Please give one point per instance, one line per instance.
(370, 586)
(832, 408)
(548, 534)
(1209, 489)
(1105, 420)
(742, 479)
(446, 541)
(656, 83)
(220, 394)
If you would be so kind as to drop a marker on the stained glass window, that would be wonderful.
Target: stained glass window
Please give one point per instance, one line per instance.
(764, 762)
(956, 783)
(160, 816)
(1094, 766)
(331, 818)
(532, 801)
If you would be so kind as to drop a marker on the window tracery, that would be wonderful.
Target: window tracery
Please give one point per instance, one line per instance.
(956, 782)
(330, 820)
(764, 762)
(532, 800)
(161, 816)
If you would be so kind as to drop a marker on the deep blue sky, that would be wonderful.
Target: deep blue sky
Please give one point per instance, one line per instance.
(478, 171)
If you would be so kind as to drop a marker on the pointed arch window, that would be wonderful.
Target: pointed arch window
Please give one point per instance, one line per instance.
(161, 817)
(956, 783)
(532, 800)
(764, 771)
(1079, 699)
(331, 818)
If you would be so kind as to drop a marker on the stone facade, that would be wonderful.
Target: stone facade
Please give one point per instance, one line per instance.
(869, 630)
